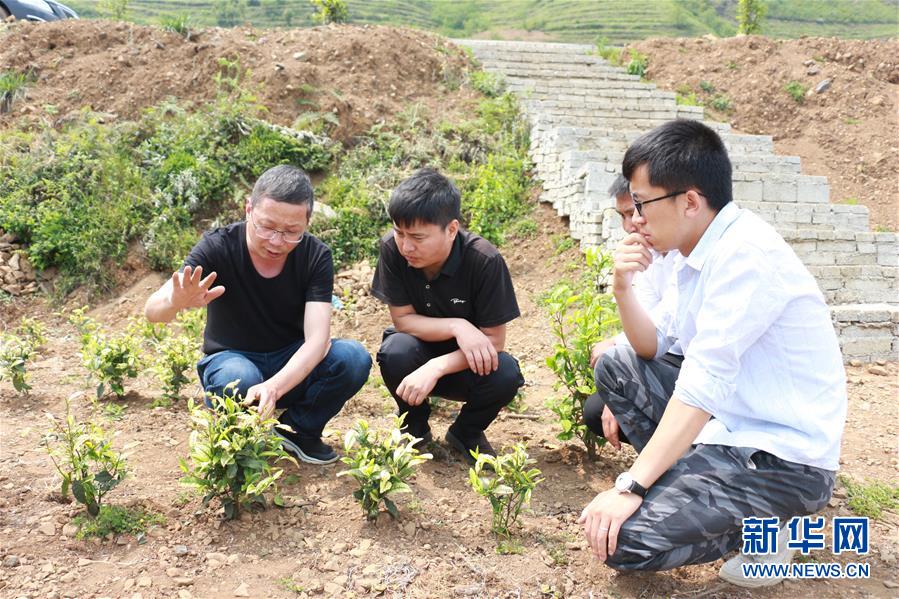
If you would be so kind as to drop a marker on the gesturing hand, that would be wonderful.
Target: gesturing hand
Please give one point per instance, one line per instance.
(191, 290)
(603, 517)
(478, 349)
(631, 256)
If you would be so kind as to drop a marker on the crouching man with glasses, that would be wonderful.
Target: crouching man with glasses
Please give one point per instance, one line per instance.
(269, 313)
(750, 426)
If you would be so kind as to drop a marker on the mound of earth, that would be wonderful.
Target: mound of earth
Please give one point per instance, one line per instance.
(847, 132)
(361, 74)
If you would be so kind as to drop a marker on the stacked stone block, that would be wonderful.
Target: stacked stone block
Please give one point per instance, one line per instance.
(583, 114)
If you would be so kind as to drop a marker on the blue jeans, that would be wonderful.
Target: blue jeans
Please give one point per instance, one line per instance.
(312, 403)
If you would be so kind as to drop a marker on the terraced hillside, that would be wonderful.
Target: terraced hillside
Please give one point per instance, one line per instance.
(619, 21)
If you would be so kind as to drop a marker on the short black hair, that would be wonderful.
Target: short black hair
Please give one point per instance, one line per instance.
(684, 154)
(619, 187)
(427, 197)
(284, 183)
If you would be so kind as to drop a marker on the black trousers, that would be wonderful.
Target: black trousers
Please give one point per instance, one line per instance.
(483, 396)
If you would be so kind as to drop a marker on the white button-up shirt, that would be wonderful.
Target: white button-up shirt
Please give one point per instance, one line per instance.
(761, 354)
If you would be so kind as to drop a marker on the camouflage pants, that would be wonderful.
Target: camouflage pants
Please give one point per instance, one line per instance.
(694, 512)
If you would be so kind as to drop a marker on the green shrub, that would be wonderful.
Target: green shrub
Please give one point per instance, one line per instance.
(707, 87)
(489, 84)
(232, 452)
(721, 103)
(381, 462)
(109, 358)
(749, 16)
(581, 315)
(494, 197)
(12, 86)
(689, 99)
(796, 90)
(17, 349)
(609, 53)
(84, 457)
(638, 63)
(179, 24)
(330, 11)
(508, 486)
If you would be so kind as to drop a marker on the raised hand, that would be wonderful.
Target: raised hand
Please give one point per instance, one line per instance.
(631, 256)
(191, 290)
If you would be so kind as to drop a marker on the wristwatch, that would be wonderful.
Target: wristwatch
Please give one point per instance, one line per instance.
(625, 483)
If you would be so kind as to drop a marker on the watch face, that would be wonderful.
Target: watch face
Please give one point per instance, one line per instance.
(623, 482)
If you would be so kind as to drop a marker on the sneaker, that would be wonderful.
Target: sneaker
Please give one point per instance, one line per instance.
(465, 445)
(420, 432)
(732, 570)
(311, 451)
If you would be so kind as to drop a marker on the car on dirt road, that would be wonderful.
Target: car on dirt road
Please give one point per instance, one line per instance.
(36, 10)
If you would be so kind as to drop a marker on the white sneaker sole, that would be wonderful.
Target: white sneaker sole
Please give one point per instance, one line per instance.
(300, 454)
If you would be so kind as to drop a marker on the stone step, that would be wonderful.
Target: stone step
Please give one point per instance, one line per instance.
(851, 284)
(524, 47)
(523, 70)
(867, 331)
(812, 216)
(583, 138)
(645, 123)
(844, 248)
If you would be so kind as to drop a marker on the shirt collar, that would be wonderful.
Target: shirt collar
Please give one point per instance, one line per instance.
(724, 219)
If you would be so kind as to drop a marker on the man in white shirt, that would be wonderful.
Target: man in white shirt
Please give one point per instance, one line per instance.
(649, 286)
(751, 427)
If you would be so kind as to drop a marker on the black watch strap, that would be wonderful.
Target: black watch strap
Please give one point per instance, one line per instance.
(637, 488)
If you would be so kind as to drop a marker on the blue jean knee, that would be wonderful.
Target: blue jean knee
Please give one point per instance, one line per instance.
(218, 370)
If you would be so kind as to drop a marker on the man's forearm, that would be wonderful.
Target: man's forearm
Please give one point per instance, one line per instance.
(450, 363)
(676, 432)
(303, 361)
(428, 328)
(159, 308)
(638, 327)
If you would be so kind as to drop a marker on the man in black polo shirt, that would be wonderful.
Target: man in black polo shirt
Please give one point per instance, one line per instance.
(450, 296)
(269, 317)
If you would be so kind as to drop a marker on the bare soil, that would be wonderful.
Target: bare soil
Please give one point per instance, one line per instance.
(362, 74)
(441, 545)
(848, 133)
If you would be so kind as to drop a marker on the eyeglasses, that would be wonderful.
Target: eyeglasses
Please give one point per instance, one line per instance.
(638, 205)
(267, 233)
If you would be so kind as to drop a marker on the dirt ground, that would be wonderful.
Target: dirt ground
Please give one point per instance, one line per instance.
(848, 133)
(362, 74)
(441, 545)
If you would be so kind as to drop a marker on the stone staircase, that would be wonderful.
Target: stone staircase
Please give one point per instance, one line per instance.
(583, 114)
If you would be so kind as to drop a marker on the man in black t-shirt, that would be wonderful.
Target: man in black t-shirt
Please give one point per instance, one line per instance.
(450, 296)
(269, 317)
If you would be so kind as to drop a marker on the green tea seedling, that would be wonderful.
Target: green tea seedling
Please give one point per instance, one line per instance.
(84, 457)
(580, 317)
(116, 519)
(174, 357)
(16, 349)
(508, 488)
(232, 452)
(109, 358)
(381, 462)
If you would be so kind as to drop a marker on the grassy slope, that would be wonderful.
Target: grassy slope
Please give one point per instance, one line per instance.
(564, 20)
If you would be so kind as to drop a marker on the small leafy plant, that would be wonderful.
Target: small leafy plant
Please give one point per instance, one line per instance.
(17, 349)
(638, 64)
(508, 488)
(84, 457)
(176, 353)
(872, 498)
(381, 462)
(330, 11)
(109, 358)
(796, 90)
(232, 452)
(116, 519)
(179, 24)
(581, 315)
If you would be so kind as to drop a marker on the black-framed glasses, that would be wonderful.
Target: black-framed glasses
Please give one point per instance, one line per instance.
(268, 233)
(638, 205)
